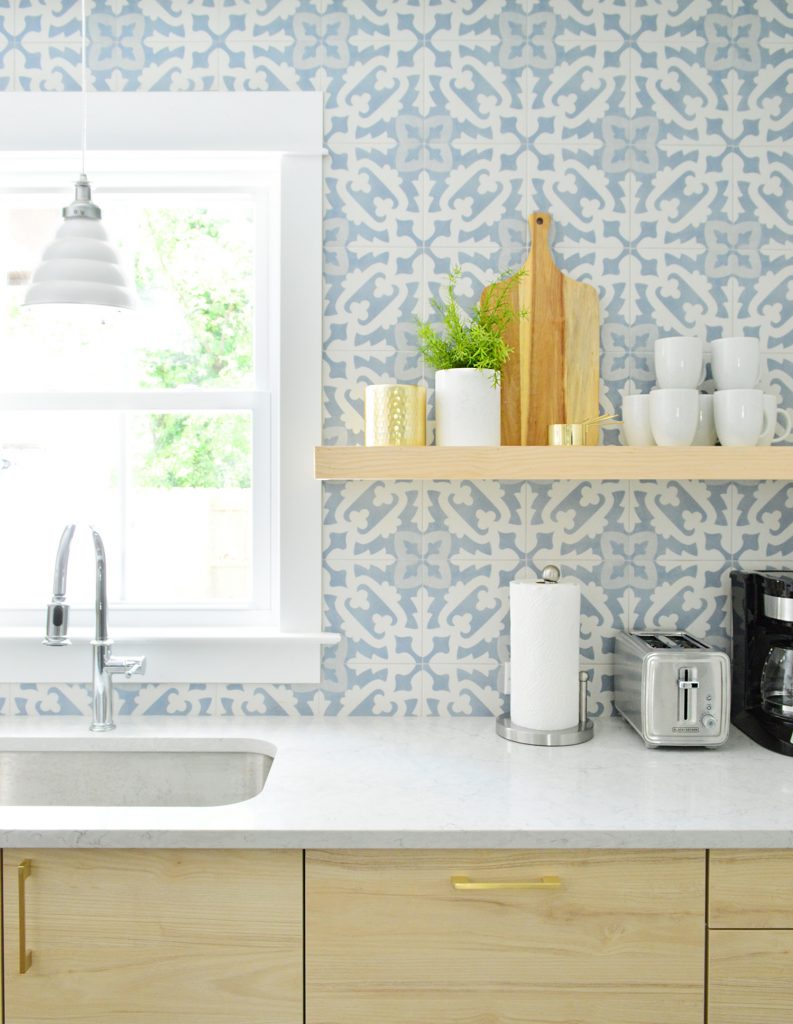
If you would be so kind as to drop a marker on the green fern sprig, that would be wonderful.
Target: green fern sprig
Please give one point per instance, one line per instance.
(475, 341)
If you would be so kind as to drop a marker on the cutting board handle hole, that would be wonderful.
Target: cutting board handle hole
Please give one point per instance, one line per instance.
(539, 220)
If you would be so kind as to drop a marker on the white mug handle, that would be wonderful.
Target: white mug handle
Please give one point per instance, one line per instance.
(788, 428)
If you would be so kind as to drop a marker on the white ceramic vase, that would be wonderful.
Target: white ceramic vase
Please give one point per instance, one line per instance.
(467, 408)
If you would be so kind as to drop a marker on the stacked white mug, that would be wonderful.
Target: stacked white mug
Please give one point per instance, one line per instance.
(674, 404)
(744, 414)
(671, 413)
(675, 413)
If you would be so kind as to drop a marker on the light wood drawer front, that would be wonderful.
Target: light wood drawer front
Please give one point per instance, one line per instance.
(389, 940)
(155, 937)
(751, 889)
(750, 977)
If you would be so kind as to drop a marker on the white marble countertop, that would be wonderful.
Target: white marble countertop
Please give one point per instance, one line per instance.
(450, 783)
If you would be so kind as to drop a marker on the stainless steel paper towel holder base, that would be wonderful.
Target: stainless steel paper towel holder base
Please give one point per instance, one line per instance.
(580, 733)
(539, 738)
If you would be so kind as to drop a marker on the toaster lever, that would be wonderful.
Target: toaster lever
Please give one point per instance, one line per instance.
(687, 686)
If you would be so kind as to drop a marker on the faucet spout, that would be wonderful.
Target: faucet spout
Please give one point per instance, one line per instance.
(104, 665)
(101, 587)
(58, 609)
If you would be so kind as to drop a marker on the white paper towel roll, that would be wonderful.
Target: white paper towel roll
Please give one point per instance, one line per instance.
(543, 635)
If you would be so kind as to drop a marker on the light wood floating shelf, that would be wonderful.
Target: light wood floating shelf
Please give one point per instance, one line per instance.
(606, 462)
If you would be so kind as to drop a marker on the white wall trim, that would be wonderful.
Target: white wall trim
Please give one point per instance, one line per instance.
(282, 122)
(300, 391)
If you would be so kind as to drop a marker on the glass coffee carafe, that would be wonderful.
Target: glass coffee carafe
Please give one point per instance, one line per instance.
(776, 684)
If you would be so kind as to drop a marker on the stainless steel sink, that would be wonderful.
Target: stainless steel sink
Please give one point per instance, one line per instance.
(119, 773)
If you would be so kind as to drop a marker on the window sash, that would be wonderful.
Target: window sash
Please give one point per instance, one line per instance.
(262, 610)
(262, 193)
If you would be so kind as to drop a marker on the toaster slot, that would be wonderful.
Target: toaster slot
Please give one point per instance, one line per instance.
(687, 687)
(654, 640)
(682, 641)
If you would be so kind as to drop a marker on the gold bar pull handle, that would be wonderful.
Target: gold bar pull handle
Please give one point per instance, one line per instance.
(545, 882)
(25, 955)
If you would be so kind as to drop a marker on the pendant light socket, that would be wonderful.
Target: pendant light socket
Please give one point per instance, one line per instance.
(83, 206)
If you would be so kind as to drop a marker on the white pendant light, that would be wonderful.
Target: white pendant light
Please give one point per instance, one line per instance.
(80, 267)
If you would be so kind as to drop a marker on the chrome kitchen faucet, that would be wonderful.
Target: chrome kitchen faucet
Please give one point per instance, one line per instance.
(104, 665)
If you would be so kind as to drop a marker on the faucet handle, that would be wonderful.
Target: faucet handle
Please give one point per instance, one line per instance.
(133, 666)
(57, 624)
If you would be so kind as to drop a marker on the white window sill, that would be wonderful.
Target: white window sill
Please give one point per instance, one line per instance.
(241, 654)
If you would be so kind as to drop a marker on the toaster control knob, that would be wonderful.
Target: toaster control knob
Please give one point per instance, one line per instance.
(709, 722)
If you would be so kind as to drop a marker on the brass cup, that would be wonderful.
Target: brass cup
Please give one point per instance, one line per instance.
(395, 414)
(567, 434)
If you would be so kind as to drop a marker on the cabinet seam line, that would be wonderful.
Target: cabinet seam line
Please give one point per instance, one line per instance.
(707, 936)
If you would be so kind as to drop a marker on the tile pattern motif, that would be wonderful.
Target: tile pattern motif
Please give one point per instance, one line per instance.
(657, 132)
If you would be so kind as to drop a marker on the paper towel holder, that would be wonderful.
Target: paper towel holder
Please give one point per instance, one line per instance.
(580, 733)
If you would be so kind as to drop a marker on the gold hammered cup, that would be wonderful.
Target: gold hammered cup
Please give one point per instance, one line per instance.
(395, 414)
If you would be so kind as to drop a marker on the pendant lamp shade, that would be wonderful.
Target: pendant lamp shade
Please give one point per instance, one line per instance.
(80, 266)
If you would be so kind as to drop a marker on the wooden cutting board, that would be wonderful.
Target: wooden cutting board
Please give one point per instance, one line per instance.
(553, 373)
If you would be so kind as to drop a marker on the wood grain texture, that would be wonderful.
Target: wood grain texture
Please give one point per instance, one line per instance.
(582, 356)
(156, 937)
(751, 889)
(389, 940)
(3, 952)
(606, 462)
(553, 373)
(511, 372)
(750, 977)
(543, 374)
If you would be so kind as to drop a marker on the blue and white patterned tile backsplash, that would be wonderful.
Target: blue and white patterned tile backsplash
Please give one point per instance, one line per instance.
(659, 133)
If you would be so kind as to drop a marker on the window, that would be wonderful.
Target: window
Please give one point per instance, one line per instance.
(149, 426)
(183, 432)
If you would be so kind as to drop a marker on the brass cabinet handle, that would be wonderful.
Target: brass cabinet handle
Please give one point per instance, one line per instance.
(25, 956)
(545, 882)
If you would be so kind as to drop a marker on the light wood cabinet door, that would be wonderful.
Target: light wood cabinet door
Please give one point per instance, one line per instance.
(155, 937)
(750, 889)
(750, 977)
(620, 941)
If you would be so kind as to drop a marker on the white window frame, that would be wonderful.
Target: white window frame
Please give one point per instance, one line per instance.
(240, 138)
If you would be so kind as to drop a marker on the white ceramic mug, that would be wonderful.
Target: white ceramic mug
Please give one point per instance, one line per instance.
(636, 420)
(674, 413)
(741, 416)
(679, 362)
(769, 434)
(706, 426)
(736, 363)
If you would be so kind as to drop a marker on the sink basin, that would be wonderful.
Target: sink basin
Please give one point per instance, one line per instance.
(128, 774)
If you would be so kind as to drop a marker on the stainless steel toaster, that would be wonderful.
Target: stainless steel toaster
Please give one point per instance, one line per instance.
(673, 689)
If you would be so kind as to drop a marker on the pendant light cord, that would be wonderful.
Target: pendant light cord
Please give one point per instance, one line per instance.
(84, 86)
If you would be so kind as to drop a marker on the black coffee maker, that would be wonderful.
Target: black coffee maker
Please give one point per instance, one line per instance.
(762, 657)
